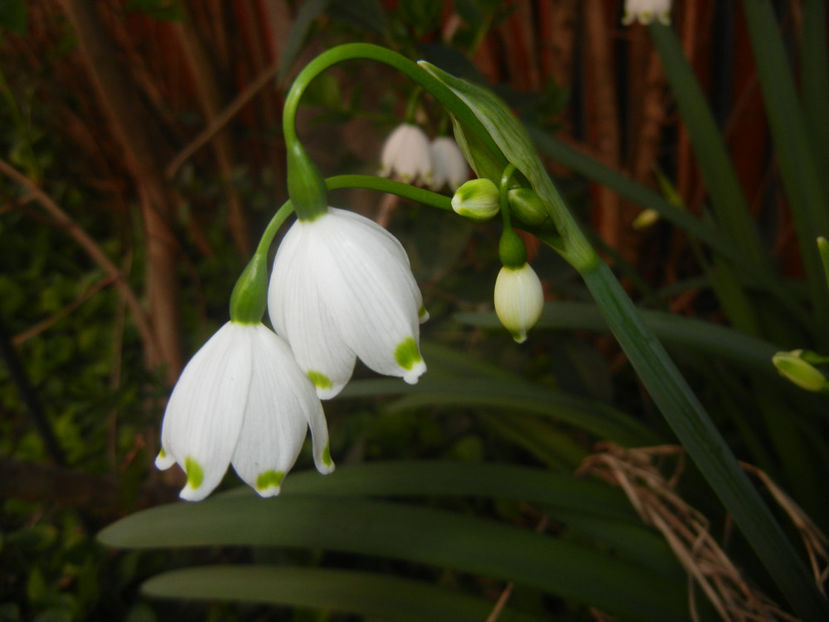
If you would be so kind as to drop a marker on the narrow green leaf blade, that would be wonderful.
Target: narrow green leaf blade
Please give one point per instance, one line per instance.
(674, 330)
(801, 175)
(381, 596)
(414, 534)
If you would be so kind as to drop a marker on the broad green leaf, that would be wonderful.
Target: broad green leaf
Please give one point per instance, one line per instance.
(507, 396)
(379, 596)
(443, 478)
(416, 534)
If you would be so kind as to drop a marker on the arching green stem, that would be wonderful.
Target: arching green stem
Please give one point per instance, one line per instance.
(309, 196)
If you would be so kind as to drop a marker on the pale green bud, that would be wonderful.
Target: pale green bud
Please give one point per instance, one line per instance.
(646, 218)
(476, 199)
(792, 367)
(519, 300)
(526, 205)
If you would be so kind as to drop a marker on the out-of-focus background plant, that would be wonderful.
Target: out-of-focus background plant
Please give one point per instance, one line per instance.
(140, 158)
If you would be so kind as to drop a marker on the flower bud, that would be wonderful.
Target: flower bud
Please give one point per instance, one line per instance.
(800, 372)
(519, 300)
(476, 199)
(644, 219)
(526, 206)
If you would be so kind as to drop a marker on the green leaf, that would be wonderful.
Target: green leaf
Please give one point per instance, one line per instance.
(443, 478)
(308, 12)
(515, 144)
(676, 331)
(706, 446)
(506, 396)
(798, 168)
(705, 232)
(415, 534)
(379, 596)
(730, 207)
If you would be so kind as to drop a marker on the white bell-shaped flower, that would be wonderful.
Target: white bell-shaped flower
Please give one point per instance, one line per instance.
(448, 164)
(519, 300)
(406, 155)
(342, 288)
(241, 400)
(645, 11)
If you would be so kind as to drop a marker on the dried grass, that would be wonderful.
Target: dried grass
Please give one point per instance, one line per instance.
(687, 531)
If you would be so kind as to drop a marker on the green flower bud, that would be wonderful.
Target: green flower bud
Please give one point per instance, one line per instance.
(792, 367)
(519, 300)
(526, 206)
(476, 199)
(646, 218)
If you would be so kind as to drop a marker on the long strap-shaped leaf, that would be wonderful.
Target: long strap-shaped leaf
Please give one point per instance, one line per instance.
(707, 338)
(368, 594)
(416, 534)
(674, 398)
(794, 151)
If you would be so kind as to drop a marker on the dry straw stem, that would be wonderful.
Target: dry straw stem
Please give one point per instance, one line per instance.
(687, 531)
(813, 538)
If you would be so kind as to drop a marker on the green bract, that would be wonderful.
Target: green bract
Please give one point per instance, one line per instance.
(517, 148)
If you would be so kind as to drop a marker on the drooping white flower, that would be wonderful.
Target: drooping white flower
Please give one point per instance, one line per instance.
(406, 155)
(645, 11)
(241, 400)
(519, 300)
(342, 288)
(448, 164)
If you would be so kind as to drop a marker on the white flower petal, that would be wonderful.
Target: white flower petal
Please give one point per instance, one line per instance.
(645, 11)
(519, 300)
(274, 422)
(374, 293)
(448, 164)
(205, 412)
(406, 155)
(299, 313)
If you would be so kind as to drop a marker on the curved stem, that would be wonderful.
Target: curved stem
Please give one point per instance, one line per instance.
(367, 51)
(370, 182)
(503, 189)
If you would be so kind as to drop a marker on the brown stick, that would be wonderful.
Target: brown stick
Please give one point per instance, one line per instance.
(603, 115)
(222, 119)
(94, 251)
(209, 101)
(136, 135)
